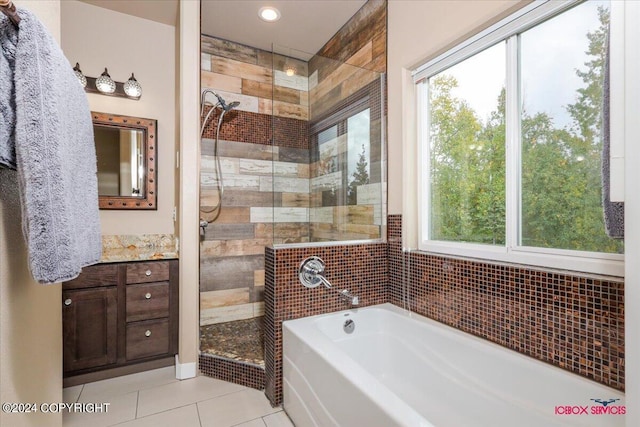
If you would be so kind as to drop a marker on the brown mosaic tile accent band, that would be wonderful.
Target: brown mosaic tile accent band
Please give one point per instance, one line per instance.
(256, 128)
(272, 332)
(573, 322)
(292, 133)
(395, 290)
(569, 320)
(360, 268)
(233, 371)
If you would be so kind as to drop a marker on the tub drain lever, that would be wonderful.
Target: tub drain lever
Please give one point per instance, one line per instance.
(349, 326)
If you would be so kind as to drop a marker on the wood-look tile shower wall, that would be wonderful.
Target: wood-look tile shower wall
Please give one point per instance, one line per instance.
(349, 66)
(265, 163)
(268, 162)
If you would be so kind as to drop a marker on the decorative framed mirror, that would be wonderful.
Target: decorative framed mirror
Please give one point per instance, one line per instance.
(126, 150)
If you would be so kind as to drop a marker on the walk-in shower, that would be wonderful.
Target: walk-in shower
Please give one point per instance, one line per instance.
(211, 214)
(303, 163)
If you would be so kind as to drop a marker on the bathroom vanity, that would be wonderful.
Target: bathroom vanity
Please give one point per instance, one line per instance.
(119, 318)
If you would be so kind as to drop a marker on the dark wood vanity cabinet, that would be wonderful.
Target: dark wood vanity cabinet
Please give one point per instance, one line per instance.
(90, 325)
(119, 318)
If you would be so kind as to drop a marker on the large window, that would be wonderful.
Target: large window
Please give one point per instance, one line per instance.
(466, 150)
(511, 142)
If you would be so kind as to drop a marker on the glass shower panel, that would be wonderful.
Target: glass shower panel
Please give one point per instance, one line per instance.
(290, 139)
(343, 139)
(358, 153)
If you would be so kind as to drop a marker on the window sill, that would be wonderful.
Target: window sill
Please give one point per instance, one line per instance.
(610, 265)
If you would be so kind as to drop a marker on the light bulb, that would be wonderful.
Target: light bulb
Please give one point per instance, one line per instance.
(81, 78)
(132, 88)
(105, 83)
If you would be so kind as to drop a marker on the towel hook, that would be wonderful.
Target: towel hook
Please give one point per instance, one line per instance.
(8, 8)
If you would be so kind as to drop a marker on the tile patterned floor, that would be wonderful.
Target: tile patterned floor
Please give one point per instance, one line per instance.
(156, 399)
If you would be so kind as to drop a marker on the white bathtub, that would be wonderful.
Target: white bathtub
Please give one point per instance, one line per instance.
(402, 369)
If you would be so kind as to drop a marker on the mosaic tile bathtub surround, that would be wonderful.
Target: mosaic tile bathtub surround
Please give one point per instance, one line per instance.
(569, 320)
(395, 292)
(572, 321)
(361, 268)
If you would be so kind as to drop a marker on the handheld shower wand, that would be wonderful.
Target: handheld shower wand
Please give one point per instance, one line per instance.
(219, 182)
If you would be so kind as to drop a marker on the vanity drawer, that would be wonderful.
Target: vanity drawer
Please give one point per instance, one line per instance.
(147, 301)
(148, 338)
(145, 272)
(94, 276)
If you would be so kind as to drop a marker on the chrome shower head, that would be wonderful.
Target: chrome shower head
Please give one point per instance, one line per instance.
(226, 107)
(221, 102)
(231, 106)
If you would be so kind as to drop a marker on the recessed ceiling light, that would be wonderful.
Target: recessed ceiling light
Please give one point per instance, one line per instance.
(269, 14)
(290, 70)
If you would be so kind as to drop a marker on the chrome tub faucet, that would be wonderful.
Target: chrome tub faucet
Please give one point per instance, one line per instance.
(310, 275)
(347, 296)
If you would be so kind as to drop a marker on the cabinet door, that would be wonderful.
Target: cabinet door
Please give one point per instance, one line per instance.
(90, 322)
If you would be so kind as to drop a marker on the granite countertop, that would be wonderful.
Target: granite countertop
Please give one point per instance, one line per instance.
(121, 248)
(136, 254)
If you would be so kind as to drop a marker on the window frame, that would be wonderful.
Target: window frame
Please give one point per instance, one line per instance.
(508, 31)
(340, 119)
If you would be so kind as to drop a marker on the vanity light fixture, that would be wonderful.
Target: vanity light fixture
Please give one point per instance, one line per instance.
(81, 78)
(269, 14)
(132, 88)
(105, 85)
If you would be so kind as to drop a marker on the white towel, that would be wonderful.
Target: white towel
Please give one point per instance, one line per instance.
(55, 155)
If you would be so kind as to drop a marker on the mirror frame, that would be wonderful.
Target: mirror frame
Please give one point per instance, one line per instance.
(149, 127)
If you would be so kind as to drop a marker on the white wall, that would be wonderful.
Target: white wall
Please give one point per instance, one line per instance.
(418, 30)
(189, 106)
(30, 314)
(98, 38)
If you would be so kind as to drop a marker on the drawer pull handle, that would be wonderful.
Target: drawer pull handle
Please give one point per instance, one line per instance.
(147, 295)
(147, 333)
(148, 272)
(67, 301)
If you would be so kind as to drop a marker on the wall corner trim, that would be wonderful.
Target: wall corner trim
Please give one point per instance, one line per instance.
(185, 370)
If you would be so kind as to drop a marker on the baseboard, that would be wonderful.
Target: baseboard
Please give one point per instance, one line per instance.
(185, 370)
(116, 372)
